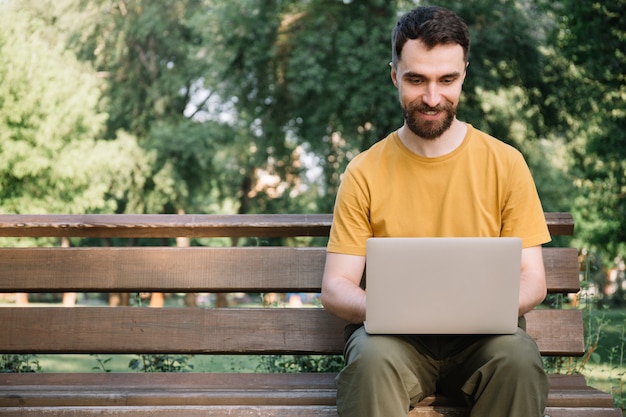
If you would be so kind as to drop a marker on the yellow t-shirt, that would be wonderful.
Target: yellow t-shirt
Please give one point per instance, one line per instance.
(481, 189)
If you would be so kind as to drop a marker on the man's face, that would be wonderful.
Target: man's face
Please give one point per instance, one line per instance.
(429, 85)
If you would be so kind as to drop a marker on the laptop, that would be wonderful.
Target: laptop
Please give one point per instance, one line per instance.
(442, 285)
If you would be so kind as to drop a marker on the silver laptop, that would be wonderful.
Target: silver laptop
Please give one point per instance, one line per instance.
(442, 285)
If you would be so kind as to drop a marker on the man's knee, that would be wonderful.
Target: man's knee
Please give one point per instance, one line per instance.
(516, 354)
(511, 361)
(509, 379)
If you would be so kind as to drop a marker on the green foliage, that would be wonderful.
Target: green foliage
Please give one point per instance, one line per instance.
(161, 363)
(301, 363)
(102, 363)
(51, 157)
(258, 105)
(148, 52)
(307, 77)
(587, 96)
(144, 48)
(19, 364)
(616, 364)
(505, 71)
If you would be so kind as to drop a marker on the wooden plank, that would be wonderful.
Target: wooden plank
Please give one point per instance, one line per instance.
(99, 395)
(560, 381)
(198, 269)
(192, 225)
(322, 381)
(277, 411)
(581, 397)
(164, 225)
(562, 270)
(560, 223)
(182, 389)
(173, 330)
(208, 389)
(583, 412)
(258, 269)
(196, 331)
(557, 332)
(175, 411)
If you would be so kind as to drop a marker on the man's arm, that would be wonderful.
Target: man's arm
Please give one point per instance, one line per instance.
(533, 287)
(341, 293)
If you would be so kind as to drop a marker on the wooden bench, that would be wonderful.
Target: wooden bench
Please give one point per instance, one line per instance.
(108, 330)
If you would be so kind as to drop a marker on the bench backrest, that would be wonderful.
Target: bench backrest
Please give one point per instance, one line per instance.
(205, 269)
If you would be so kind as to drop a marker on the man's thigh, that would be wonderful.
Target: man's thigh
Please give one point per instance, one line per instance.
(391, 357)
(499, 359)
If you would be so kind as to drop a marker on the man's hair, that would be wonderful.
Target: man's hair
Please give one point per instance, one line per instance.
(433, 26)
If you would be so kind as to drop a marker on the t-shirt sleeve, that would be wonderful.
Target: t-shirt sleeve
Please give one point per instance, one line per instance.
(351, 225)
(523, 215)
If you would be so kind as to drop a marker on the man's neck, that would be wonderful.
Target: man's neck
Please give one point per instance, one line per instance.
(433, 148)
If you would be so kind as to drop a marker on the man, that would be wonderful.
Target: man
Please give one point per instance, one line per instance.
(435, 176)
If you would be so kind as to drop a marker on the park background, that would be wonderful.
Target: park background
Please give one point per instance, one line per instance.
(256, 106)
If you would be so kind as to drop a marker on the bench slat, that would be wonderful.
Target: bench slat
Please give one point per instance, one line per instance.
(175, 330)
(583, 412)
(557, 332)
(164, 269)
(268, 411)
(179, 411)
(229, 330)
(192, 225)
(165, 225)
(209, 389)
(562, 267)
(198, 269)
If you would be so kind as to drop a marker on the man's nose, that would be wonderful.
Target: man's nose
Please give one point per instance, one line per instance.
(431, 96)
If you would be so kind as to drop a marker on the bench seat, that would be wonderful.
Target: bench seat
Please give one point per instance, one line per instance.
(191, 330)
(236, 394)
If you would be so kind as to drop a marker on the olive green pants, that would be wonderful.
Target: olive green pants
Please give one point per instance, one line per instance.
(495, 375)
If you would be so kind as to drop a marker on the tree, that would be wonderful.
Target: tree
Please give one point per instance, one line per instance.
(587, 96)
(318, 71)
(311, 80)
(235, 105)
(338, 81)
(161, 87)
(50, 157)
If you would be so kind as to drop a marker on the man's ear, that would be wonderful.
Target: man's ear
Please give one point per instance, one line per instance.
(465, 72)
(394, 75)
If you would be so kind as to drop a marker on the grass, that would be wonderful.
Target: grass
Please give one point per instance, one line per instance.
(611, 343)
(606, 369)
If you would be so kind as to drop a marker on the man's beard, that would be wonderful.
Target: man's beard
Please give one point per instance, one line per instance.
(426, 129)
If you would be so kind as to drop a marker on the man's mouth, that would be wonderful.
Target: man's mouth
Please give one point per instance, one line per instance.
(430, 114)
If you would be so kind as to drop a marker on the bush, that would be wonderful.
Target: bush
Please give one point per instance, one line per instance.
(161, 363)
(301, 363)
(19, 364)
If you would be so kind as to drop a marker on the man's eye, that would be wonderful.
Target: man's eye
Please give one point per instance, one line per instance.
(415, 80)
(449, 80)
